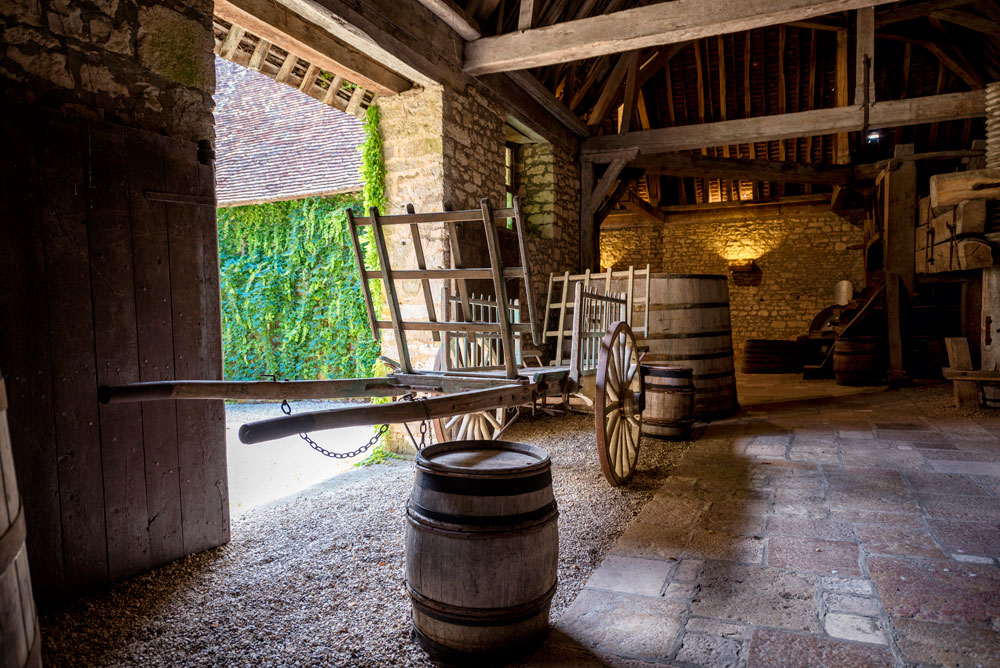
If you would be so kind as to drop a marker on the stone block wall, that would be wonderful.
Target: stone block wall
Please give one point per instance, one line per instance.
(473, 138)
(147, 64)
(801, 253)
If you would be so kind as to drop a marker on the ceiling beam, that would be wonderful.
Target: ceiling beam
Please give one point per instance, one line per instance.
(544, 97)
(683, 164)
(640, 27)
(800, 124)
(294, 34)
(456, 18)
(912, 12)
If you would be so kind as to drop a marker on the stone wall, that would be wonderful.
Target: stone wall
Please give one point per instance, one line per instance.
(473, 133)
(146, 64)
(801, 253)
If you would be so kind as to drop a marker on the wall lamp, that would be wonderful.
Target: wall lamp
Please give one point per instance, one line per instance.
(742, 266)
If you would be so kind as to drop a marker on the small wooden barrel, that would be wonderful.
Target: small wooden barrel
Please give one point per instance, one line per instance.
(19, 635)
(482, 549)
(669, 393)
(773, 356)
(859, 361)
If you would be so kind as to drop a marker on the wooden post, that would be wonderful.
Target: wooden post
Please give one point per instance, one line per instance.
(990, 341)
(895, 329)
(900, 212)
(843, 146)
(966, 392)
(864, 66)
(589, 250)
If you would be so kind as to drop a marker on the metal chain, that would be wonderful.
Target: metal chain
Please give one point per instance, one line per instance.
(423, 425)
(287, 410)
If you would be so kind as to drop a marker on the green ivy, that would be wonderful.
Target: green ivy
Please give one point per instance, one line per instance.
(291, 294)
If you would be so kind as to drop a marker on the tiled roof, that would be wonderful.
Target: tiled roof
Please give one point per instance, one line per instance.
(275, 143)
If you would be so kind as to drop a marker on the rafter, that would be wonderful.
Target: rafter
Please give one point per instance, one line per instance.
(293, 33)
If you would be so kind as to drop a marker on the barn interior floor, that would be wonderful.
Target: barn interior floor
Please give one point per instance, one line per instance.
(854, 530)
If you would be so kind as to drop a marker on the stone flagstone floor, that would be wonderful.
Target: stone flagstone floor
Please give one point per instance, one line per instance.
(860, 530)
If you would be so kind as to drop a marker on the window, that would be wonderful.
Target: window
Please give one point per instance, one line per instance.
(510, 177)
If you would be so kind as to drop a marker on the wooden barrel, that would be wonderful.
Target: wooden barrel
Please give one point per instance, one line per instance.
(482, 549)
(859, 361)
(19, 635)
(773, 356)
(689, 326)
(669, 397)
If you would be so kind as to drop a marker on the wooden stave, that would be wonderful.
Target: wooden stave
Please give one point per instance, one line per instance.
(455, 620)
(18, 616)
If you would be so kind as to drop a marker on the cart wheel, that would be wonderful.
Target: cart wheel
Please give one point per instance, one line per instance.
(616, 404)
(481, 425)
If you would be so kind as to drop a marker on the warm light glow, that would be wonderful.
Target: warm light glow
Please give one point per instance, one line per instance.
(749, 240)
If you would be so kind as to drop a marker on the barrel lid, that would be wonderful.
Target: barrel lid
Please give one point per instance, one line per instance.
(485, 458)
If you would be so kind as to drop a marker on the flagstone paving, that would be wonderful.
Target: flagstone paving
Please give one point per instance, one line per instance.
(851, 531)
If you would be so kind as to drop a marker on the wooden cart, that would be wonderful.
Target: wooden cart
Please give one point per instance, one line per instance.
(481, 378)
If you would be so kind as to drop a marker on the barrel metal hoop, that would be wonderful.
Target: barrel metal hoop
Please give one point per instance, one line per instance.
(13, 539)
(482, 486)
(462, 616)
(669, 389)
(690, 335)
(680, 306)
(668, 423)
(414, 508)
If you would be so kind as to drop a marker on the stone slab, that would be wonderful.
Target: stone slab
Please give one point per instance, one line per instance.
(947, 645)
(961, 507)
(725, 547)
(876, 517)
(898, 540)
(707, 650)
(937, 591)
(652, 541)
(806, 528)
(717, 627)
(848, 586)
(969, 468)
(771, 648)
(981, 538)
(631, 575)
(849, 603)
(637, 626)
(854, 627)
(943, 483)
(809, 555)
(757, 595)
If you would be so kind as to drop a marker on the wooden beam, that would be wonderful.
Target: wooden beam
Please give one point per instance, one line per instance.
(638, 205)
(865, 50)
(610, 91)
(259, 54)
(456, 18)
(967, 20)
(526, 13)
(685, 164)
(609, 177)
(286, 29)
(953, 106)
(842, 152)
(541, 94)
(628, 108)
(917, 11)
(637, 28)
(232, 41)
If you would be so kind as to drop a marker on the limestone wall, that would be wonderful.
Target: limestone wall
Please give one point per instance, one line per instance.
(146, 64)
(801, 253)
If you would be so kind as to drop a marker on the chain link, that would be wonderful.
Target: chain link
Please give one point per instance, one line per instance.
(287, 410)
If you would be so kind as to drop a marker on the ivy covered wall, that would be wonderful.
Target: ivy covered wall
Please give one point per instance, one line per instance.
(291, 295)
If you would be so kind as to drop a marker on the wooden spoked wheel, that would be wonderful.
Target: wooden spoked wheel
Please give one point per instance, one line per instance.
(617, 410)
(482, 425)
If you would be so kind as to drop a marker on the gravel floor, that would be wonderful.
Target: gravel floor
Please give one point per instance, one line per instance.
(318, 579)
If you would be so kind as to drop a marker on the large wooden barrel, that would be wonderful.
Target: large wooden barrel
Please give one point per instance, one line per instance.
(482, 549)
(689, 326)
(669, 396)
(860, 360)
(19, 635)
(773, 356)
